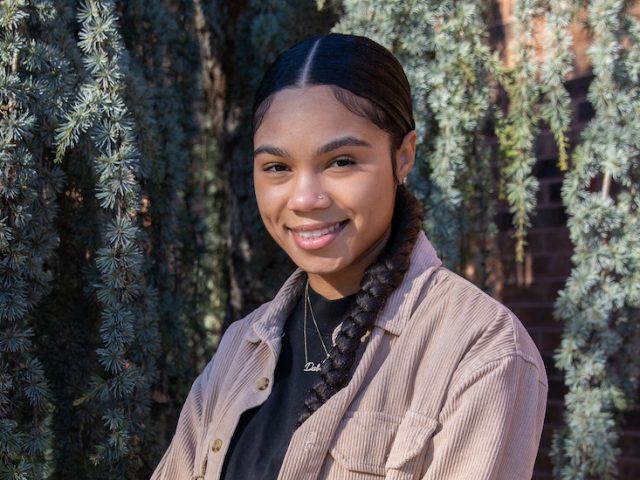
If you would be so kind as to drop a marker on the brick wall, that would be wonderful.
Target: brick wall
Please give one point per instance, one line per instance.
(530, 289)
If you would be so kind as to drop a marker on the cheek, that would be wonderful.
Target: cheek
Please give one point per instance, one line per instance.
(269, 199)
(261, 198)
(373, 200)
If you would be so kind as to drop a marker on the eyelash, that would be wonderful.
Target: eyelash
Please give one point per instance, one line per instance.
(272, 168)
(343, 159)
(279, 167)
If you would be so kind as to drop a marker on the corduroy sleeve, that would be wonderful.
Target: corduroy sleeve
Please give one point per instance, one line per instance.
(491, 424)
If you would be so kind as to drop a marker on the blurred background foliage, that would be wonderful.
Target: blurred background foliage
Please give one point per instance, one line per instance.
(129, 235)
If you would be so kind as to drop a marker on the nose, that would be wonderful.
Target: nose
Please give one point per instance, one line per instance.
(307, 194)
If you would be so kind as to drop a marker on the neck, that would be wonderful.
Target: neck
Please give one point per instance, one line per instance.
(332, 289)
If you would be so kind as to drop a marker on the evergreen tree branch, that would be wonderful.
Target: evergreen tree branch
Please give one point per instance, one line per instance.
(27, 235)
(129, 325)
(557, 63)
(444, 50)
(600, 303)
(517, 131)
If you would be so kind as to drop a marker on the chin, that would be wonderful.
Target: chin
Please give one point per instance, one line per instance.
(322, 266)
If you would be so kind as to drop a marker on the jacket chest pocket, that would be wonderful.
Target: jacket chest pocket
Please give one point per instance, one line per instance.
(371, 445)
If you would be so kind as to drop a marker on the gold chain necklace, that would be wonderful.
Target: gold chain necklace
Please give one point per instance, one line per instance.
(308, 365)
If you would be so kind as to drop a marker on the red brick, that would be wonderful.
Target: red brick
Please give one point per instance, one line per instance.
(543, 465)
(549, 336)
(630, 443)
(545, 146)
(555, 413)
(629, 468)
(558, 239)
(632, 420)
(551, 267)
(530, 289)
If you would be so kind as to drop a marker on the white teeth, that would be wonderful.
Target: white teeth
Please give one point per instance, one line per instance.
(311, 234)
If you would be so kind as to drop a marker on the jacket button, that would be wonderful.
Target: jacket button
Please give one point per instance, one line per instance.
(216, 445)
(263, 383)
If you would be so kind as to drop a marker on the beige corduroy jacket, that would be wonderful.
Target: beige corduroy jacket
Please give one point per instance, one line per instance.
(450, 386)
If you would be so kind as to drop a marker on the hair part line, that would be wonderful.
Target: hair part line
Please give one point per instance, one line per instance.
(304, 75)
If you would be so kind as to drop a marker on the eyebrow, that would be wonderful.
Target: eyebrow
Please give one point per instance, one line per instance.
(329, 147)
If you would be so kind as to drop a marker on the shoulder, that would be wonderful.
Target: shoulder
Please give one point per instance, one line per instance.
(473, 326)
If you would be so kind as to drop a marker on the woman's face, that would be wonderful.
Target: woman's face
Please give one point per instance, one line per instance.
(325, 186)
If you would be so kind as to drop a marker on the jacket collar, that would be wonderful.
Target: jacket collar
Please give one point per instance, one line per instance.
(398, 309)
(268, 326)
(404, 299)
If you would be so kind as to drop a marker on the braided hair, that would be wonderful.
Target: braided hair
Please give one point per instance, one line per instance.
(380, 279)
(369, 81)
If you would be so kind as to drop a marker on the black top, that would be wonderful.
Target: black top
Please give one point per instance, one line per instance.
(262, 436)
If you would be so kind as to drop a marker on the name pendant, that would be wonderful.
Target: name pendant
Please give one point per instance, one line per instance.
(312, 367)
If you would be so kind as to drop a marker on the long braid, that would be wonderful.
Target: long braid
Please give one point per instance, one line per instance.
(379, 280)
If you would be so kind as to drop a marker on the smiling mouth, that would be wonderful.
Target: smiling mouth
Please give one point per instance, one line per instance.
(313, 237)
(307, 234)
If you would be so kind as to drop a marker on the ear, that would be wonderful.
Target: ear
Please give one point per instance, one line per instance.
(406, 155)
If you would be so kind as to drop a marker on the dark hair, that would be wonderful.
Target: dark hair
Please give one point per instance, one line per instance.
(370, 82)
(359, 67)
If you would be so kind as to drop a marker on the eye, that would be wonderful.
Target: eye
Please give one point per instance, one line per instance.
(275, 168)
(342, 162)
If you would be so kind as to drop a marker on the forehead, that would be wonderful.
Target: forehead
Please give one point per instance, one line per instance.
(314, 113)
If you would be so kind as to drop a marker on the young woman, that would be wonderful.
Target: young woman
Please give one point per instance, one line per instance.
(372, 361)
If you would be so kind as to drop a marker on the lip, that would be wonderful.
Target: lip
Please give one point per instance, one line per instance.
(315, 242)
